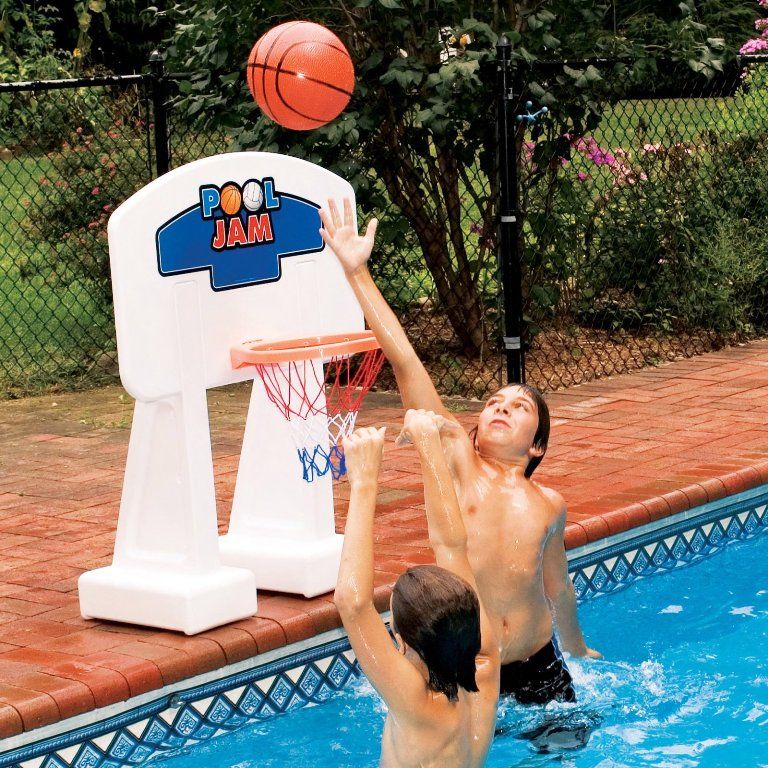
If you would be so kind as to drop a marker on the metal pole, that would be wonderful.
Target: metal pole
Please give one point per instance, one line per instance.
(162, 150)
(509, 255)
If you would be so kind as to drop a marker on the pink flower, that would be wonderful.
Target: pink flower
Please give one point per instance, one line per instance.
(581, 144)
(581, 176)
(652, 148)
(761, 25)
(601, 157)
(754, 46)
(79, 130)
(107, 207)
(95, 191)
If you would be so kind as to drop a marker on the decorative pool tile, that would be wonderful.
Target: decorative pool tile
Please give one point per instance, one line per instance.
(197, 714)
(312, 676)
(674, 547)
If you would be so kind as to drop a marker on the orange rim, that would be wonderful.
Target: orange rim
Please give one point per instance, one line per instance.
(259, 352)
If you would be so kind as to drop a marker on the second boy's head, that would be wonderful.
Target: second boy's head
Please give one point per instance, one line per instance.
(514, 424)
(436, 614)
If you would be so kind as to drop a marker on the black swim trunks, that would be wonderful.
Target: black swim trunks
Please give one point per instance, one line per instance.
(539, 679)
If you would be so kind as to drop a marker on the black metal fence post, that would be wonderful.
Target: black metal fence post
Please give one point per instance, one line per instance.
(509, 253)
(159, 94)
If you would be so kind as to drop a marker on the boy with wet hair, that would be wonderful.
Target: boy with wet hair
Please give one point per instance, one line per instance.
(515, 526)
(440, 681)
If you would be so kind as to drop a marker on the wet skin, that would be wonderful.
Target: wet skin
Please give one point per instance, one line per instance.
(509, 521)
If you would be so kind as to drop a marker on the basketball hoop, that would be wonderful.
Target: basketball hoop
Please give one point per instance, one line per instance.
(318, 389)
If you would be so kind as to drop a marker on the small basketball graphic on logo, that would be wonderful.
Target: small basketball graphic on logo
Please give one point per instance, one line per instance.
(231, 199)
(301, 75)
(253, 196)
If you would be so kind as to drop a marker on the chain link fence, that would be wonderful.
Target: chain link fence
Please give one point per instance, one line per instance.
(640, 227)
(69, 154)
(645, 211)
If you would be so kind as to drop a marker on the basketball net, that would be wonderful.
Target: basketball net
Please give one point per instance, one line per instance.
(320, 399)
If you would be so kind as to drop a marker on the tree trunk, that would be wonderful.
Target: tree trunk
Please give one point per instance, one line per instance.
(455, 287)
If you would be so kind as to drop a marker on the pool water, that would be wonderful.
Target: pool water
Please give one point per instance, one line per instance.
(684, 684)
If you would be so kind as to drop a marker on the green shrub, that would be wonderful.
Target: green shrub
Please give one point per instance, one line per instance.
(677, 249)
(85, 186)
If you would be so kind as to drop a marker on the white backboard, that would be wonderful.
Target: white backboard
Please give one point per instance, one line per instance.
(185, 272)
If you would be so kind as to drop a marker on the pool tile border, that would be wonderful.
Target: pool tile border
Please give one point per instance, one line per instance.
(692, 536)
(196, 713)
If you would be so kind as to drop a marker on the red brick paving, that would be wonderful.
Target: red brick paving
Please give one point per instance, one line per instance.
(624, 451)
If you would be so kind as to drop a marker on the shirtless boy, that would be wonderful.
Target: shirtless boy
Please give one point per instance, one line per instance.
(441, 682)
(515, 526)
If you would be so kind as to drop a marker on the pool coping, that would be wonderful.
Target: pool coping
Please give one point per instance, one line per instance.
(216, 702)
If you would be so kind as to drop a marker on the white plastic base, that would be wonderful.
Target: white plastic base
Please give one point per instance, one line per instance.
(188, 603)
(306, 568)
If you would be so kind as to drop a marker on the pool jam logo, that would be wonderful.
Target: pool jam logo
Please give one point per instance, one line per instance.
(230, 230)
(239, 232)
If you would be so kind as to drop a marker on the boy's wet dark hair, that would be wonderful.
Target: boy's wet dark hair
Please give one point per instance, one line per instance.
(541, 438)
(438, 615)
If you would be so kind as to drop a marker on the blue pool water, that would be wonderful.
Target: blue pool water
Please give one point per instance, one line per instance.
(684, 684)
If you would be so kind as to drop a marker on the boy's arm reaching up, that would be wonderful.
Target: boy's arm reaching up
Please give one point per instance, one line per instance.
(447, 533)
(353, 252)
(559, 588)
(394, 677)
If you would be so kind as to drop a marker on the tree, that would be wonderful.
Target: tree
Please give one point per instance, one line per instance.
(422, 112)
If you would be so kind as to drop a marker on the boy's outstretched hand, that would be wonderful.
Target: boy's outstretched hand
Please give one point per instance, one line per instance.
(352, 250)
(362, 454)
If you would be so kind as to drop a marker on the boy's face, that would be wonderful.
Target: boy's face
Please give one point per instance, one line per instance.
(508, 423)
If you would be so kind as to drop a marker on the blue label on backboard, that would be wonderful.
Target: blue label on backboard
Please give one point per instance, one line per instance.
(239, 233)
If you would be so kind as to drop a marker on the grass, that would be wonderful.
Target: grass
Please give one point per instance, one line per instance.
(50, 329)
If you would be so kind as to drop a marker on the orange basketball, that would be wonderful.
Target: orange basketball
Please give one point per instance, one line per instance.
(301, 75)
(231, 198)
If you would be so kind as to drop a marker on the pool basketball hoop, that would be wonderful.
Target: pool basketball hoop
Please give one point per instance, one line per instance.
(318, 385)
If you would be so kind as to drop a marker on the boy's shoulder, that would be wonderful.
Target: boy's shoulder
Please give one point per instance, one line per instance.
(556, 501)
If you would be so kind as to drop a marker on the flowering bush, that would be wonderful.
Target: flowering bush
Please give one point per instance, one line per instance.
(670, 251)
(758, 44)
(84, 187)
(663, 232)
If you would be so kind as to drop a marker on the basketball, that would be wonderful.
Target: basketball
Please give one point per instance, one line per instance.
(230, 199)
(300, 75)
(253, 196)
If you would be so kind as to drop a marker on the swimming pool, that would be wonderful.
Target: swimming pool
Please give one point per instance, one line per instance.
(685, 683)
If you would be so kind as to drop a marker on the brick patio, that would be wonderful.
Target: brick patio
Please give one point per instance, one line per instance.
(623, 452)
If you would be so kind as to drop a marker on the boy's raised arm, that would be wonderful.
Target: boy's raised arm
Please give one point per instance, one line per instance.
(395, 678)
(447, 533)
(353, 252)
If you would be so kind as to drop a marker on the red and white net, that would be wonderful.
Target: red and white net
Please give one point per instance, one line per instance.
(320, 400)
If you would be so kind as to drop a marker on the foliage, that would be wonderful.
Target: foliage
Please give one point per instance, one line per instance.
(84, 186)
(28, 51)
(758, 44)
(675, 250)
(419, 117)
(27, 43)
(660, 223)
